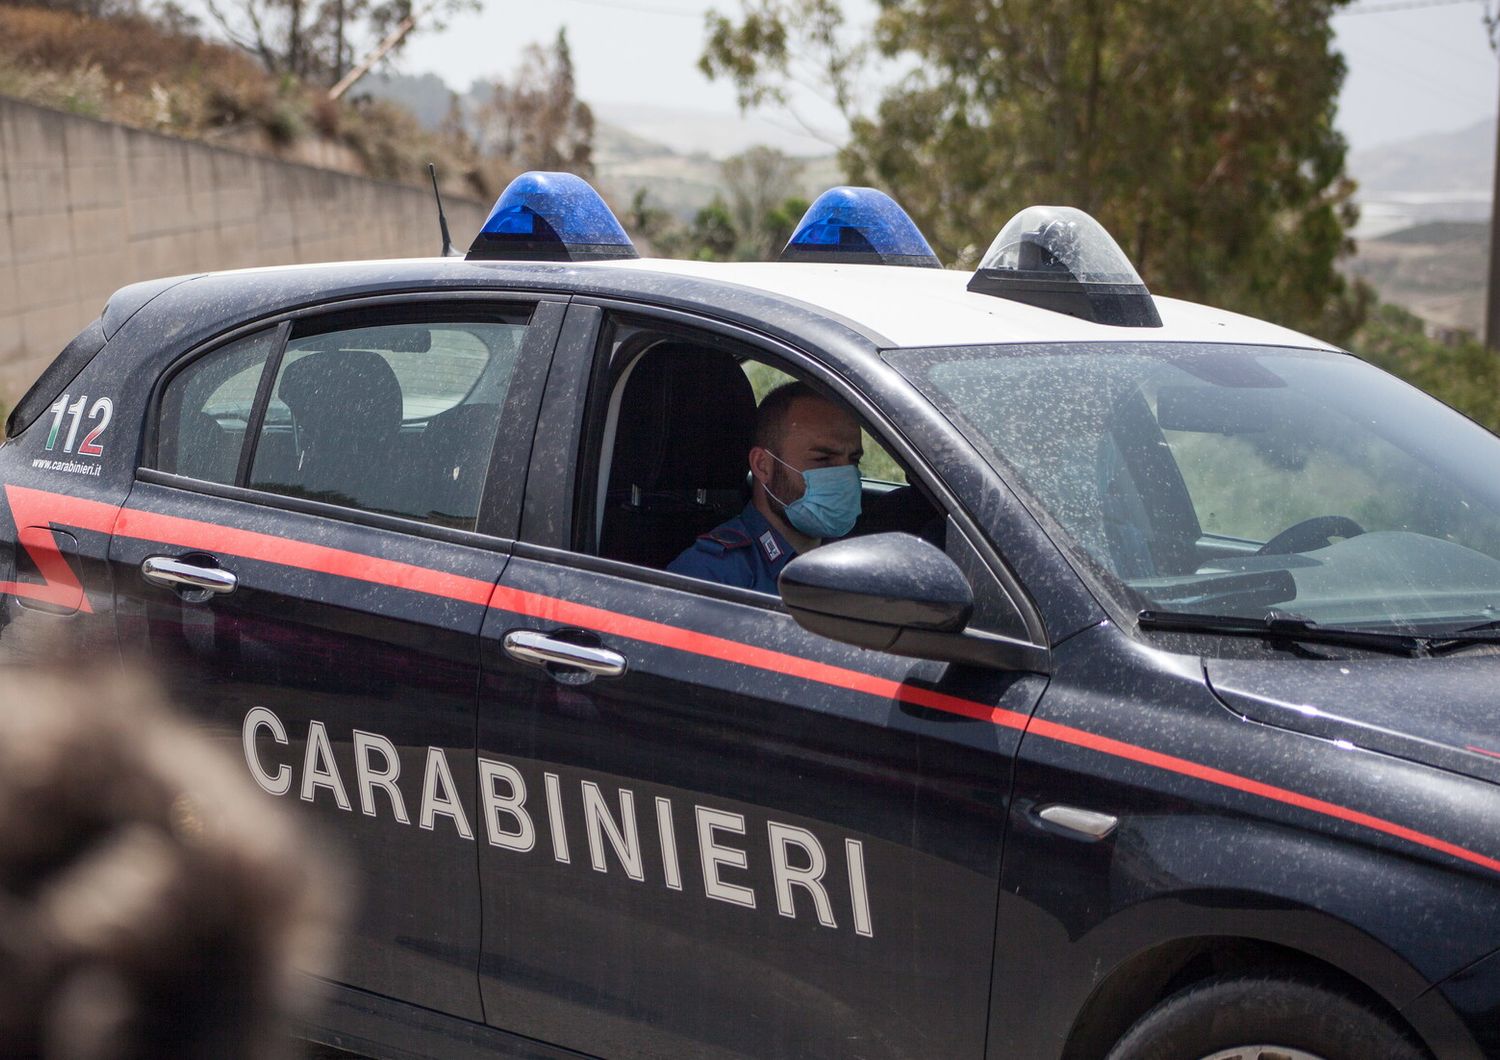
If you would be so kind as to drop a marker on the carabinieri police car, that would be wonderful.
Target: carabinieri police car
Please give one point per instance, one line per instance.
(1148, 710)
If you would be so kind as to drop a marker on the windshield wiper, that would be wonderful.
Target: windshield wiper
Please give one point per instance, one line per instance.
(1278, 626)
(1467, 631)
(1453, 640)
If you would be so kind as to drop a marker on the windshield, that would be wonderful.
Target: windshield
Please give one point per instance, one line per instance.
(1233, 479)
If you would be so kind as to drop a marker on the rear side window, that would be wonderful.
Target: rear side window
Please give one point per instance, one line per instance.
(205, 409)
(398, 419)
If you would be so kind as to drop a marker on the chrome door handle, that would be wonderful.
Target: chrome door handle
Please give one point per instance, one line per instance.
(531, 646)
(174, 574)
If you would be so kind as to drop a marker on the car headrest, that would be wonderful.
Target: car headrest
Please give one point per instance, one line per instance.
(687, 419)
(337, 387)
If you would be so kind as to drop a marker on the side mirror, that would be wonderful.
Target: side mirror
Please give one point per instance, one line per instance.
(896, 593)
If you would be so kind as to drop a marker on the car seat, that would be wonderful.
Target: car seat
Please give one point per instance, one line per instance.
(453, 454)
(346, 412)
(680, 462)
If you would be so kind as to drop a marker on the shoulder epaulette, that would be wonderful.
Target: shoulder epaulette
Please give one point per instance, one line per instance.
(723, 539)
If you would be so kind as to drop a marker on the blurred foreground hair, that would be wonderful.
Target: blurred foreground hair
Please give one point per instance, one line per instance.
(152, 902)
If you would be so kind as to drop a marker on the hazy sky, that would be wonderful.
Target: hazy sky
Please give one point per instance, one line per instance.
(1415, 66)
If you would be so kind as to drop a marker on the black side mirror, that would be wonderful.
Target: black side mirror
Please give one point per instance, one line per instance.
(895, 593)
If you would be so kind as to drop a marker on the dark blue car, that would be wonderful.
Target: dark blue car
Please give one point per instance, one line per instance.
(1149, 710)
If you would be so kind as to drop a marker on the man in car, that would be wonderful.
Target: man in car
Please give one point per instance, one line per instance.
(806, 489)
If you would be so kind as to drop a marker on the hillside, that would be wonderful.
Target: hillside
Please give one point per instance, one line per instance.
(138, 72)
(674, 154)
(1462, 160)
(1435, 270)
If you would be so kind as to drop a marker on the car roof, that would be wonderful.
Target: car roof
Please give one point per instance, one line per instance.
(933, 307)
(892, 306)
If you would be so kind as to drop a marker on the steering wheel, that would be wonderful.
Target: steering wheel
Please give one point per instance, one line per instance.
(1317, 532)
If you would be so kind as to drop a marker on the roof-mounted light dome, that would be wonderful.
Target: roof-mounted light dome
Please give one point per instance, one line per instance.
(858, 226)
(550, 217)
(1060, 258)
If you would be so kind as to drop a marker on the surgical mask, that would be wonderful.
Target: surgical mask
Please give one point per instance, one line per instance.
(829, 504)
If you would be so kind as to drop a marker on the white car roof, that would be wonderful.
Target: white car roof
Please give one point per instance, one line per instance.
(932, 307)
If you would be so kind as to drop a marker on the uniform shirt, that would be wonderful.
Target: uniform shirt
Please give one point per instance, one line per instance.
(745, 551)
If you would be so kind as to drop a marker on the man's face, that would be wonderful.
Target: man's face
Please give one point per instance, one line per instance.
(815, 434)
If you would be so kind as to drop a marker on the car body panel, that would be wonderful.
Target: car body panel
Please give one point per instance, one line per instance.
(336, 629)
(1379, 867)
(772, 728)
(1271, 802)
(1436, 711)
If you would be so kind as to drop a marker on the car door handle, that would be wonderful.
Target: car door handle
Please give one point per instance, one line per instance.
(175, 574)
(532, 646)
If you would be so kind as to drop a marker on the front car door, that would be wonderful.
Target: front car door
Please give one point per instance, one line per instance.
(706, 831)
(307, 558)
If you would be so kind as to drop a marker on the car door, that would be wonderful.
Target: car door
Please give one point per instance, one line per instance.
(706, 831)
(307, 557)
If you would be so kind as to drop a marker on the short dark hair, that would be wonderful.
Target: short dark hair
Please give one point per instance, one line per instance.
(775, 407)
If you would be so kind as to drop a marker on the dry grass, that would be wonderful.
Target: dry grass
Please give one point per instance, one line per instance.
(133, 71)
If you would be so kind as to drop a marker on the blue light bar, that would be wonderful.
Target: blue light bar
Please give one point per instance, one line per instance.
(550, 217)
(859, 226)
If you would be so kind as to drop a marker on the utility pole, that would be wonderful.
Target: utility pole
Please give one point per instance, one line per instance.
(1492, 300)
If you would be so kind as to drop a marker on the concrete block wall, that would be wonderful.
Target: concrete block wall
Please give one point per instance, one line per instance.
(87, 207)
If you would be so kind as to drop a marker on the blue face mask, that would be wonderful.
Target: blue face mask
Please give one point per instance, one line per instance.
(829, 504)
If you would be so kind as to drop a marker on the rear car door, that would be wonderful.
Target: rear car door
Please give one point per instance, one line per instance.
(306, 557)
(706, 831)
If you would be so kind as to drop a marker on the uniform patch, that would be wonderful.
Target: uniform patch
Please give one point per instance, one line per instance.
(722, 540)
(768, 542)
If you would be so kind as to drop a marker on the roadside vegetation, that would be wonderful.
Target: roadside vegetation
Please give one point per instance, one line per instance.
(1460, 372)
(156, 71)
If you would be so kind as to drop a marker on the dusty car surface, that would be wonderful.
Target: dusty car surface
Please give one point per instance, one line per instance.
(1148, 710)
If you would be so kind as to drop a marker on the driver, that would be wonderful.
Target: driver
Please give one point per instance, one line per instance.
(806, 489)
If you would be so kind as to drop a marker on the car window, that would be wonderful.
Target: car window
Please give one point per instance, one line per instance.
(674, 455)
(1228, 479)
(876, 466)
(205, 409)
(397, 419)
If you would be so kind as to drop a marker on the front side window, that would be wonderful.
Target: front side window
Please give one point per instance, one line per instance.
(676, 486)
(398, 419)
(1235, 479)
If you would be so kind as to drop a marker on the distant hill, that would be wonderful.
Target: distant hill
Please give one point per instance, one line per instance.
(1423, 235)
(1434, 270)
(1459, 161)
(713, 133)
(673, 153)
(1440, 177)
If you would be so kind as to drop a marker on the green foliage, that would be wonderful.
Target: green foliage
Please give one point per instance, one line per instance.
(712, 236)
(759, 182)
(1200, 133)
(1461, 373)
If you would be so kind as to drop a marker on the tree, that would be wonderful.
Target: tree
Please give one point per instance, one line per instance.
(537, 121)
(712, 236)
(1459, 371)
(1200, 133)
(316, 40)
(761, 181)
